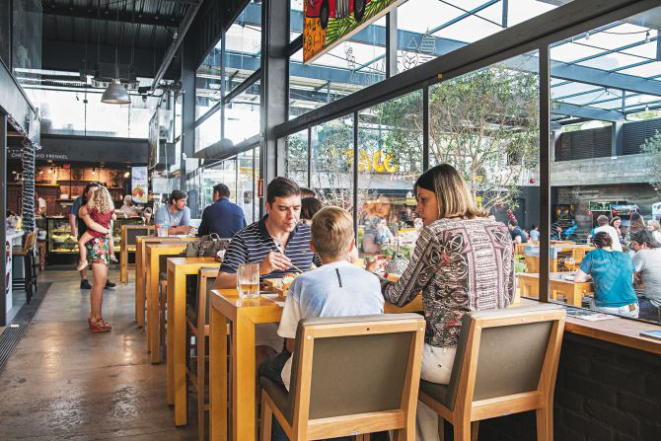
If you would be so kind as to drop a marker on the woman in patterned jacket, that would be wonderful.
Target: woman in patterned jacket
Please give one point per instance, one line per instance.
(462, 262)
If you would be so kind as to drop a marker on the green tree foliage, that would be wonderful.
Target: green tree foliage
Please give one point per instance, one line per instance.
(652, 147)
(486, 124)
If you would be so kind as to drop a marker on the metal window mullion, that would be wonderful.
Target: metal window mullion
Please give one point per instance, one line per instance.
(544, 171)
(222, 85)
(309, 149)
(252, 79)
(355, 175)
(3, 208)
(425, 127)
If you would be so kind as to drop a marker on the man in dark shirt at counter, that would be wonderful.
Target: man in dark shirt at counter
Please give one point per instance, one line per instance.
(222, 217)
(517, 234)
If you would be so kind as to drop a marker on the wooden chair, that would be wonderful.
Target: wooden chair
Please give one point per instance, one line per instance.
(506, 363)
(197, 325)
(128, 242)
(350, 376)
(29, 279)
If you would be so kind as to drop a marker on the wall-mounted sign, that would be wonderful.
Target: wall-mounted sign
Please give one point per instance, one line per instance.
(328, 23)
(139, 185)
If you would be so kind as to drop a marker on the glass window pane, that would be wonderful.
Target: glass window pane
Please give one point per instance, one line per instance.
(349, 67)
(207, 83)
(486, 124)
(389, 162)
(332, 162)
(208, 132)
(243, 46)
(446, 26)
(605, 174)
(246, 185)
(296, 166)
(243, 115)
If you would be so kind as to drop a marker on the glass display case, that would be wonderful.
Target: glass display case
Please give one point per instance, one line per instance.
(61, 241)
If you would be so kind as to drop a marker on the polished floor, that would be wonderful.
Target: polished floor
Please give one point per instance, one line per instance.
(64, 383)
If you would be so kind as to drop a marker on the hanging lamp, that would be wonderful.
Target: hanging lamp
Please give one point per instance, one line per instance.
(116, 93)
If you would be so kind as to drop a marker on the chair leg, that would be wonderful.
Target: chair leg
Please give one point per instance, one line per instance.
(545, 423)
(462, 431)
(475, 430)
(267, 417)
(441, 428)
(201, 385)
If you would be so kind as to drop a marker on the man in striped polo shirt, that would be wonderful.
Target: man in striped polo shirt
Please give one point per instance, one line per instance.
(279, 241)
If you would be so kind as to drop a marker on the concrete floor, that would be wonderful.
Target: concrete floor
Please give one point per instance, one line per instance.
(64, 383)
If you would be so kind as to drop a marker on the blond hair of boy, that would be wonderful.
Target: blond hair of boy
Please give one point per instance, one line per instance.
(332, 234)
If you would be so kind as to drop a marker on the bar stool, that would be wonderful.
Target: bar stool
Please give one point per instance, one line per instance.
(30, 277)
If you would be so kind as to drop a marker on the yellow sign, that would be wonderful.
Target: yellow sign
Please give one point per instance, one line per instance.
(378, 162)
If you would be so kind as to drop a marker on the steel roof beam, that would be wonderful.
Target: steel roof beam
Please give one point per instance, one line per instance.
(125, 16)
(585, 112)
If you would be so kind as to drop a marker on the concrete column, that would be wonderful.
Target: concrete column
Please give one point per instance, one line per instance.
(275, 90)
(617, 145)
(188, 105)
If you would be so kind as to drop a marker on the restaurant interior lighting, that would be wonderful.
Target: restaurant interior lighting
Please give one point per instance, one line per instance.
(115, 94)
(126, 175)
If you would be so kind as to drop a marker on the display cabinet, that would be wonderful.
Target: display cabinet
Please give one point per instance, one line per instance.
(61, 241)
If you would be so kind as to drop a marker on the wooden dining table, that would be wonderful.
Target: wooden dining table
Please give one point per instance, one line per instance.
(243, 316)
(558, 283)
(178, 268)
(153, 252)
(141, 270)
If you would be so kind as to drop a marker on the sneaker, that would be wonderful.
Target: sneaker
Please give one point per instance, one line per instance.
(109, 284)
(85, 284)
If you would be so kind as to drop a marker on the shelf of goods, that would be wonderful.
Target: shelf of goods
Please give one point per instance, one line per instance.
(61, 241)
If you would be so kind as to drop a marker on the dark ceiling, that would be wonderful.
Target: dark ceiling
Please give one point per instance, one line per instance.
(141, 30)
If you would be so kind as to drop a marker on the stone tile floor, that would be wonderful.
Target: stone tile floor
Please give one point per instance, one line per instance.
(64, 383)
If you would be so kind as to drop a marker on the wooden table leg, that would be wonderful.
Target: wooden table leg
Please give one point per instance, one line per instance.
(123, 262)
(177, 353)
(243, 379)
(170, 336)
(139, 290)
(576, 296)
(217, 376)
(153, 320)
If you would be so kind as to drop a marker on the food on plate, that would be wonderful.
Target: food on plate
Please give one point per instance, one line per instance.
(287, 280)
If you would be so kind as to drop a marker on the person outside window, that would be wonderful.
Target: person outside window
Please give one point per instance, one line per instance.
(518, 236)
(79, 226)
(534, 233)
(457, 247)
(223, 217)
(612, 231)
(612, 274)
(175, 214)
(647, 262)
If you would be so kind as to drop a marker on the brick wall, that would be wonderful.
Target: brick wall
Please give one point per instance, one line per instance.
(604, 392)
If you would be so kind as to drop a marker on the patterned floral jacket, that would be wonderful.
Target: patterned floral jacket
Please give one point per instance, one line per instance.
(460, 265)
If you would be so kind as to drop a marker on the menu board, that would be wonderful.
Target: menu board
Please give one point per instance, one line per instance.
(139, 185)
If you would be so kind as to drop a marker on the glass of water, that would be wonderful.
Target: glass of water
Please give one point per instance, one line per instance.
(248, 280)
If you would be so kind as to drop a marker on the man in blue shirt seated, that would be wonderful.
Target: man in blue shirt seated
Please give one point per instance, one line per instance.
(222, 217)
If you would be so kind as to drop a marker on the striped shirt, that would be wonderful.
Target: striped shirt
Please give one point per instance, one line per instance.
(253, 243)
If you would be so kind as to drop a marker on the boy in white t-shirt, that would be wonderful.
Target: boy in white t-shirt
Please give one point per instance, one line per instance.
(335, 289)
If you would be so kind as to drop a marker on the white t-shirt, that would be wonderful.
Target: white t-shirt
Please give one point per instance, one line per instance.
(612, 232)
(648, 262)
(337, 289)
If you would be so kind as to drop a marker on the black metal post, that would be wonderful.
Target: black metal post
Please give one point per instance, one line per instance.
(544, 171)
(355, 176)
(3, 209)
(425, 128)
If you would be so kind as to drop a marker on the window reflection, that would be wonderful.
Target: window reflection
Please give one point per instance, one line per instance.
(605, 170)
(389, 161)
(296, 154)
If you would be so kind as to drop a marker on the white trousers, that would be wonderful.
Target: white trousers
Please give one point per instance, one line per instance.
(436, 368)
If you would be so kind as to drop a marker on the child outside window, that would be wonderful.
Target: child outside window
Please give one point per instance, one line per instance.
(101, 210)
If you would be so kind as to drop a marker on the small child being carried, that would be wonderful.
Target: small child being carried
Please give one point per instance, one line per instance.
(100, 209)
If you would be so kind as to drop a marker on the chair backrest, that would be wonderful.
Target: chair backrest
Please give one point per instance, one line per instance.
(206, 281)
(506, 352)
(133, 233)
(355, 365)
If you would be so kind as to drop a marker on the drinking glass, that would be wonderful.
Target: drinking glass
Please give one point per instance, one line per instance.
(248, 280)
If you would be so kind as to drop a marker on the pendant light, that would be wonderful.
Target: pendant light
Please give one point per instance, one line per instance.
(116, 93)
